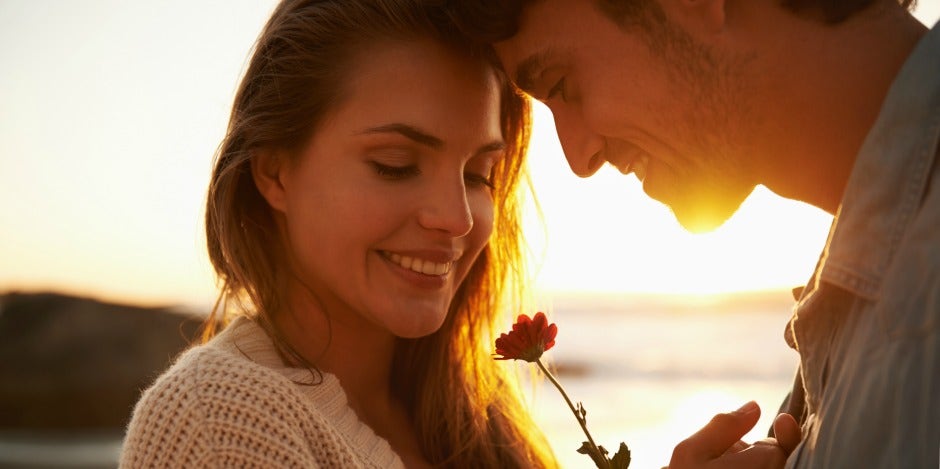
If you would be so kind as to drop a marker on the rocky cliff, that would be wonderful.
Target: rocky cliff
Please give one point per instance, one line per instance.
(78, 363)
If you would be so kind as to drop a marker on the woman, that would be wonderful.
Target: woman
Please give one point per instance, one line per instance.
(364, 224)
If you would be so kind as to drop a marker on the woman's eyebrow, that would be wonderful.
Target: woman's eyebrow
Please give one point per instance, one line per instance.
(424, 138)
(410, 132)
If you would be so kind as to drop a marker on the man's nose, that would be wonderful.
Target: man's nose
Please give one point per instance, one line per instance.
(584, 149)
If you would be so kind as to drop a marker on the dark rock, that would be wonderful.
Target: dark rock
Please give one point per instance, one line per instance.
(78, 363)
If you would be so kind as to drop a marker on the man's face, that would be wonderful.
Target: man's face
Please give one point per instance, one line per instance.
(654, 101)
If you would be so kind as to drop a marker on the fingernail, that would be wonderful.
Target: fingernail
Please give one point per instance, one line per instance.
(748, 408)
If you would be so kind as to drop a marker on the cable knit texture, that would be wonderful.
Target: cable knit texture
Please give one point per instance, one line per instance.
(233, 403)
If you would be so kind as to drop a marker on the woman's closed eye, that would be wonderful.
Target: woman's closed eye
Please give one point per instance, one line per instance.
(478, 180)
(395, 172)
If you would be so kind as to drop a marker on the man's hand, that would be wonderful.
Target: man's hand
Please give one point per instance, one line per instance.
(787, 432)
(719, 445)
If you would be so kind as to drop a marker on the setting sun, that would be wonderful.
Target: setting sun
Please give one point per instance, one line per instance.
(112, 113)
(105, 168)
(603, 234)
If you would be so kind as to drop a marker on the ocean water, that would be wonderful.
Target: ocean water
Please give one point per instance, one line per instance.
(650, 371)
(33, 450)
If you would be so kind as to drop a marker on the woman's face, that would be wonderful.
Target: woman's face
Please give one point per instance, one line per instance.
(389, 204)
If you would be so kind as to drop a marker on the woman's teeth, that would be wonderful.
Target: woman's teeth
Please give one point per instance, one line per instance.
(421, 266)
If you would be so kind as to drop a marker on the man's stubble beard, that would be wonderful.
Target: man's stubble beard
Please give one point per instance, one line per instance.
(716, 181)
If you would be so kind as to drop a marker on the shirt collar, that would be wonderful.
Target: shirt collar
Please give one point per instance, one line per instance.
(889, 177)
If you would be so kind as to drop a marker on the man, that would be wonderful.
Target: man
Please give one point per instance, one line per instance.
(832, 102)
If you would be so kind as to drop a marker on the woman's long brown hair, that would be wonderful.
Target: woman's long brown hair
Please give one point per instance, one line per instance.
(465, 407)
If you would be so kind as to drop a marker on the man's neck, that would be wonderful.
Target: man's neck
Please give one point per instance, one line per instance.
(832, 81)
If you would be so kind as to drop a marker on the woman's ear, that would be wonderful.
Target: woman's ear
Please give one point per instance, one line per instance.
(267, 169)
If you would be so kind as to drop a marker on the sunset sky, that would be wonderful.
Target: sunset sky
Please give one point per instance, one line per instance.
(110, 112)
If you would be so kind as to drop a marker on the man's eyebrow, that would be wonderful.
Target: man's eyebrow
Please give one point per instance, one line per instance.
(530, 69)
(410, 132)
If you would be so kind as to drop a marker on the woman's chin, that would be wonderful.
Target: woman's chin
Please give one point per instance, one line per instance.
(422, 327)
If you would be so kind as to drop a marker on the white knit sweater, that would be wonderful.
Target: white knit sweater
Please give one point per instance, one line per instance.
(232, 403)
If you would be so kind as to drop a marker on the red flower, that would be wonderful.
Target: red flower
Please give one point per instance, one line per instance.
(528, 339)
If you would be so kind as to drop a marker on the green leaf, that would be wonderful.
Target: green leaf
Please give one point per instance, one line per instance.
(621, 460)
(600, 460)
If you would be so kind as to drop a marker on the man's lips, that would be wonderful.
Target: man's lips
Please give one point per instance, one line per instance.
(635, 163)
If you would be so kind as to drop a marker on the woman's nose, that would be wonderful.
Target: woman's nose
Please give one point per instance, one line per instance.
(447, 209)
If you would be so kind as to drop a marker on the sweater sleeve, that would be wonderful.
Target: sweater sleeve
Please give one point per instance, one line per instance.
(206, 412)
(166, 426)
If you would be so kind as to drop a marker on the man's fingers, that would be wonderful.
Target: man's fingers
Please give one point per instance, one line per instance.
(714, 439)
(737, 446)
(787, 432)
(763, 454)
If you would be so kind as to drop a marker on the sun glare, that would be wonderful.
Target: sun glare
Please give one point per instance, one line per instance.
(104, 178)
(698, 408)
(603, 234)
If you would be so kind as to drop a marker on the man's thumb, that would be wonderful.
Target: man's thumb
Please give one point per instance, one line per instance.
(715, 438)
(787, 432)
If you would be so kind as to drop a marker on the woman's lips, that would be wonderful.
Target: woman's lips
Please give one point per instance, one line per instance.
(421, 266)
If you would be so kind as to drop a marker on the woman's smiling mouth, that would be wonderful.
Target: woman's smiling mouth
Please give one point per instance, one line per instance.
(421, 266)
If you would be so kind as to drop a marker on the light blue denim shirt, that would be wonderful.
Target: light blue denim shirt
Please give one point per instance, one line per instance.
(867, 326)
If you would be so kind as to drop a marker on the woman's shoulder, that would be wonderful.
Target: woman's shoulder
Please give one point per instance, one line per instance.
(233, 398)
(234, 366)
(212, 395)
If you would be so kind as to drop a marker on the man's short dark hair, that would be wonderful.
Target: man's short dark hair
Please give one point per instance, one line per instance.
(492, 21)
(836, 11)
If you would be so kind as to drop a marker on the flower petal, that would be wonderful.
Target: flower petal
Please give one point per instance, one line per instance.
(528, 339)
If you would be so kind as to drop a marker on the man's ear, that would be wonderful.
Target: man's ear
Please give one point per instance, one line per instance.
(267, 169)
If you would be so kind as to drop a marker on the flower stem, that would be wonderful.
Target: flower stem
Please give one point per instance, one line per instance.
(581, 421)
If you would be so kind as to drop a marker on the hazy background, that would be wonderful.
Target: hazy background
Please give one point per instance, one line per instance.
(111, 111)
